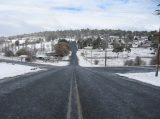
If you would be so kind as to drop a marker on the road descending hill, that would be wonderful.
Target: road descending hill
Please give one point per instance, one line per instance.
(74, 92)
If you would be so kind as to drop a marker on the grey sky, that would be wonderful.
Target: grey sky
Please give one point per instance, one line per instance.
(18, 16)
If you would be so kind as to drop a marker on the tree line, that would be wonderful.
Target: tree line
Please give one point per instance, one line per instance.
(78, 34)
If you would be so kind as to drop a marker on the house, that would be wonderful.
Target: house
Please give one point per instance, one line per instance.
(23, 58)
(42, 55)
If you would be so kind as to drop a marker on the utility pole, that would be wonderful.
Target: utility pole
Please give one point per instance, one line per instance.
(91, 55)
(5, 46)
(106, 55)
(86, 56)
(52, 45)
(8, 45)
(158, 52)
(41, 44)
(106, 46)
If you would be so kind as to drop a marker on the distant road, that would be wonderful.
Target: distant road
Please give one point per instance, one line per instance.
(74, 92)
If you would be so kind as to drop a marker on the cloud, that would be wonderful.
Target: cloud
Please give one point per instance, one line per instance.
(71, 9)
(19, 16)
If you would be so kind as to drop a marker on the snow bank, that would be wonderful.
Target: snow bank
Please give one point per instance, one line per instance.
(148, 77)
(11, 70)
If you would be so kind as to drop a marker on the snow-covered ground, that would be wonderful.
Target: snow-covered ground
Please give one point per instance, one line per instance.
(48, 48)
(82, 60)
(11, 70)
(63, 62)
(86, 62)
(148, 77)
(10, 58)
(112, 60)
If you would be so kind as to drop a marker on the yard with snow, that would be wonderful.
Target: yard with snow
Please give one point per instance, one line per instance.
(11, 70)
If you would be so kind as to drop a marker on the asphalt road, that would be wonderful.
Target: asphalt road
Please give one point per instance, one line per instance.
(74, 92)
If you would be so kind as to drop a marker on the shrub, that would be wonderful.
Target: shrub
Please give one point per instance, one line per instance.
(62, 49)
(118, 47)
(129, 63)
(9, 53)
(28, 59)
(96, 62)
(23, 52)
(138, 61)
(62, 40)
(82, 54)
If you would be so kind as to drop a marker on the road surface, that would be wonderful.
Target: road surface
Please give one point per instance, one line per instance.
(74, 92)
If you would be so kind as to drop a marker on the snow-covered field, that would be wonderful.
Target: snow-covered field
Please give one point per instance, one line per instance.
(11, 70)
(112, 60)
(82, 60)
(148, 77)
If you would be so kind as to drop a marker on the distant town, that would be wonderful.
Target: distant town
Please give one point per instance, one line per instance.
(122, 47)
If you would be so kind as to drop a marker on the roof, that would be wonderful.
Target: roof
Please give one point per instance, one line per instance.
(23, 56)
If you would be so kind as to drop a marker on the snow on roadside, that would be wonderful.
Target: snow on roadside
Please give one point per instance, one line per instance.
(10, 58)
(148, 77)
(11, 70)
(56, 63)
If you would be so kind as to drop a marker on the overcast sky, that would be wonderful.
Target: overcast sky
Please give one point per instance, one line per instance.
(26, 16)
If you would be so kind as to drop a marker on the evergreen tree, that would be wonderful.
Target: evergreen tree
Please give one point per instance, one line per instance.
(118, 47)
(97, 43)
